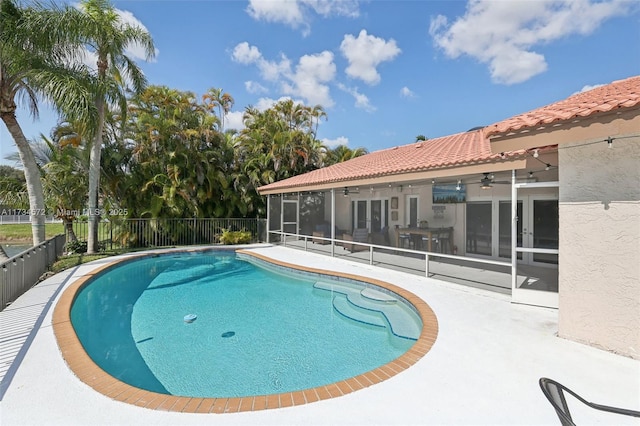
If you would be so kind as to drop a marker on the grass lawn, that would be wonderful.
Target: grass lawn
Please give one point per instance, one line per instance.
(65, 262)
(22, 231)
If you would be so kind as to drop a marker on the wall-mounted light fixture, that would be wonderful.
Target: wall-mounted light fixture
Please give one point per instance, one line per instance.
(535, 153)
(459, 185)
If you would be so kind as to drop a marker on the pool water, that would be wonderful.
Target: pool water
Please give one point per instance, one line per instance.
(257, 331)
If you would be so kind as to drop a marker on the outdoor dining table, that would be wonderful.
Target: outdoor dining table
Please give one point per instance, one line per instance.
(428, 233)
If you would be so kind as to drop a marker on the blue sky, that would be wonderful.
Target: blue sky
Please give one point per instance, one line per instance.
(385, 71)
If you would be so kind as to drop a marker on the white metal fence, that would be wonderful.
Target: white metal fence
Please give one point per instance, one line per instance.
(22, 271)
(24, 218)
(285, 238)
(148, 233)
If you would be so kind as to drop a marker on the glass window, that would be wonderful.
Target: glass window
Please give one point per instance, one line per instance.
(545, 229)
(376, 215)
(504, 229)
(361, 214)
(413, 212)
(479, 228)
(275, 205)
(386, 213)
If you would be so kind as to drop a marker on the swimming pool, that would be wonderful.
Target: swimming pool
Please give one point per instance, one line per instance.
(248, 338)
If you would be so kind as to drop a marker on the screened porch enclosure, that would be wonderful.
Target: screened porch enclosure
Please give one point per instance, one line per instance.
(468, 240)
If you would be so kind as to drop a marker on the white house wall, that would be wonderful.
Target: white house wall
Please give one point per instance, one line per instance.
(599, 277)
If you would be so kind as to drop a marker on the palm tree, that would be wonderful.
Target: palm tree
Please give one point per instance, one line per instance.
(65, 177)
(108, 36)
(343, 153)
(34, 58)
(223, 101)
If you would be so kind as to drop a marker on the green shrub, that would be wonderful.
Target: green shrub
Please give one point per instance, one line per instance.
(235, 237)
(76, 247)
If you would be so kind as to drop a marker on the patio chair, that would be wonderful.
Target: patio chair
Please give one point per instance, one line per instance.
(360, 235)
(381, 238)
(444, 240)
(555, 393)
(404, 238)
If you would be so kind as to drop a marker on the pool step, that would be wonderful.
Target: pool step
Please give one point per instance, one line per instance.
(401, 321)
(378, 296)
(346, 309)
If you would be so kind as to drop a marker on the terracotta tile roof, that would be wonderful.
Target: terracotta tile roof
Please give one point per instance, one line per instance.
(459, 149)
(619, 94)
(467, 148)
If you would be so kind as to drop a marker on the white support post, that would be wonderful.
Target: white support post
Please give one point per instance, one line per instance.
(299, 198)
(426, 264)
(283, 238)
(333, 221)
(268, 216)
(514, 231)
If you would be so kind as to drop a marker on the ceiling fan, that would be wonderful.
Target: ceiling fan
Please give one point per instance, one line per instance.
(348, 191)
(487, 182)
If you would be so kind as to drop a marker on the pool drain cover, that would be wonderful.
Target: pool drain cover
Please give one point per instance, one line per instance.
(228, 334)
(190, 318)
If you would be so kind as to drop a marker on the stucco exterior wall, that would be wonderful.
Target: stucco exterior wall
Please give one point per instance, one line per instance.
(599, 276)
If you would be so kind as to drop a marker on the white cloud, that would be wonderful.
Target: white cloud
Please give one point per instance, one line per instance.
(362, 101)
(587, 88)
(309, 80)
(332, 143)
(135, 51)
(233, 120)
(365, 53)
(245, 54)
(407, 93)
(254, 87)
(272, 70)
(502, 34)
(326, 8)
(266, 103)
(286, 12)
(297, 13)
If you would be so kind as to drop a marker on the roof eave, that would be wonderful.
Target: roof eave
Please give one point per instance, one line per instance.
(515, 161)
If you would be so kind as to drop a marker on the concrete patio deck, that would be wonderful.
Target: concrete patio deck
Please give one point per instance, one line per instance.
(483, 369)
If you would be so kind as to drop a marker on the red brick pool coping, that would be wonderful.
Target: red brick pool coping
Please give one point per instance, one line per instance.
(91, 374)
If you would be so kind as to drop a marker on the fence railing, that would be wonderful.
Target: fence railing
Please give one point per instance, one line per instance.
(147, 233)
(285, 238)
(22, 271)
(24, 218)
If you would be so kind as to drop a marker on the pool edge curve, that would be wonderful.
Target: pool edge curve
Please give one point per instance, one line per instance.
(92, 375)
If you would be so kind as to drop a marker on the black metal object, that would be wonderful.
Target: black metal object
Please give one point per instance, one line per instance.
(555, 393)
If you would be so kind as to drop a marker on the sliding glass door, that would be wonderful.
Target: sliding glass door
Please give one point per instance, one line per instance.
(479, 224)
(370, 214)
